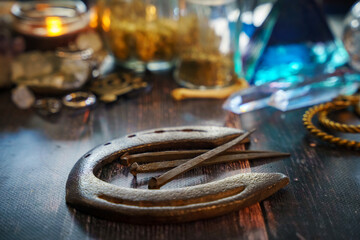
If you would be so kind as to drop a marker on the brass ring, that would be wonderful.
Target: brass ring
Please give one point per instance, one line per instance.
(79, 100)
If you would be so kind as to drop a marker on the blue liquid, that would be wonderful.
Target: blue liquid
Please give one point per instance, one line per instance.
(294, 40)
(285, 61)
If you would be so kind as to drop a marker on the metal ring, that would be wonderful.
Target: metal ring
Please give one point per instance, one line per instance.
(79, 100)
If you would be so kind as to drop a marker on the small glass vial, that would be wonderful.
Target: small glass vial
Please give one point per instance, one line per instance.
(141, 33)
(208, 44)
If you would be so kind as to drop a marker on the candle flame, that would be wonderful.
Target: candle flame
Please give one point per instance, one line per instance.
(94, 15)
(53, 26)
(106, 20)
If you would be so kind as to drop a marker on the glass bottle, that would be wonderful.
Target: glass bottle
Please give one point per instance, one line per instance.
(294, 41)
(351, 35)
(208, 44)
(141, 33)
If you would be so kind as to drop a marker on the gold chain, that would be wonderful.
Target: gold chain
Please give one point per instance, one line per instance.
(323, 110)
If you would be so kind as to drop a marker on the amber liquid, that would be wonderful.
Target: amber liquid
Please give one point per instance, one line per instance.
(205, 70)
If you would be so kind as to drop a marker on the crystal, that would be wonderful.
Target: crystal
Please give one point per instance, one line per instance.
(33, 65)
(295, 39)
(89, 40)
(312, 94)
(288, 95)
(79, 70)
(47, 70)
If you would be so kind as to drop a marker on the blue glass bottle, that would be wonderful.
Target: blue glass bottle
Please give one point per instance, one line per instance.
(294, 40)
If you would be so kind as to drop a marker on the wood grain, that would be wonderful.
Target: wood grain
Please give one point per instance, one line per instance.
(37, 154)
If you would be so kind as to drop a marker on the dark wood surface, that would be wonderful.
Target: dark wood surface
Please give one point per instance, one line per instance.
(322, 200)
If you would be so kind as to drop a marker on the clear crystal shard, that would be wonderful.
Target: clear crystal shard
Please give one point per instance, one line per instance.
(289, 95)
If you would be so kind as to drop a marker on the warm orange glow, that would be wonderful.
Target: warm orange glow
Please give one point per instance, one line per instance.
(93, 17)
(106, 20)
(41, 6)
(150, 13)
(54, 26)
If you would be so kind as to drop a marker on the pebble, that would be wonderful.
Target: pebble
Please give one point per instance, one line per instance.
(89, 40)
(22, 97)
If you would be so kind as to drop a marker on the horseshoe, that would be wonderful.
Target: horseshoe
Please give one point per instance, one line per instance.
(88, 193)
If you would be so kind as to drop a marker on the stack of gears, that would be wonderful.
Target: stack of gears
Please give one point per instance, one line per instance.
(323, 111)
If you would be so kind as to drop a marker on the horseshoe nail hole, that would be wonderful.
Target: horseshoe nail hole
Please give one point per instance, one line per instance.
(187, 130)
(87, 155)
(131, 136)
(107, 143)
(159, 131)
(192, 130)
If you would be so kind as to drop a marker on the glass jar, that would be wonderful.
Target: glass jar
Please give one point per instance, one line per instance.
(208, 44)
(48, 25)
(351, 35)
(141, 33)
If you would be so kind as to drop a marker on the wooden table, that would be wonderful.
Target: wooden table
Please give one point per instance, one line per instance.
(322, 200)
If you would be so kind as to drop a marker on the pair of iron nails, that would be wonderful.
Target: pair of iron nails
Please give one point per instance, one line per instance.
(156, 161)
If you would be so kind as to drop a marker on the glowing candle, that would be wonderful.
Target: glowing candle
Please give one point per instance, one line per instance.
(94, 17)
(53, 26)
(106, 20)
(49, 25)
